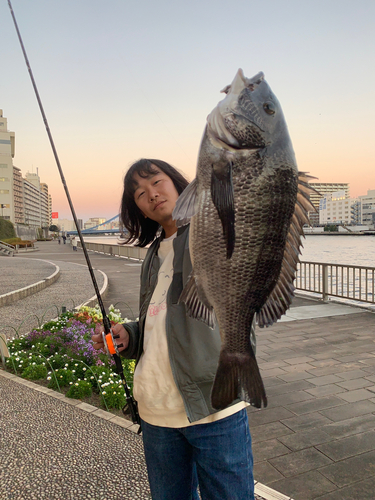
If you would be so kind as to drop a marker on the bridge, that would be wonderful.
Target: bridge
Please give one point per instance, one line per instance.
(96, 231)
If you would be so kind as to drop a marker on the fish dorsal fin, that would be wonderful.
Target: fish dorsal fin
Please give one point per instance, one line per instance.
(281, 296)
(197, 305)
(186, 205)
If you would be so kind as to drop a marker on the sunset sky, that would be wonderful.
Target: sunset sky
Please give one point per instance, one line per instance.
(121, 80)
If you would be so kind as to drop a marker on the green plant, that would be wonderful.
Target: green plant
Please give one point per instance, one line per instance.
(35, 372)
(79, 390)
(63, 376)
(6, 230)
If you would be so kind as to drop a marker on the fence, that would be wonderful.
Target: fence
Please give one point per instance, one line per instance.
(337, 280)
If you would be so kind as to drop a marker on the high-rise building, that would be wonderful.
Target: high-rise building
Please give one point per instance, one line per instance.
(367, 202)
(22, 200)
(323, 188)
(335, 208)
(7, 139)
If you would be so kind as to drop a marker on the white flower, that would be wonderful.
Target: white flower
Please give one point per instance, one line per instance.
(84, 369)
(73, 371)
(92, 376)
(71, 383)
(76, 383)
(48, 378)
(103, 392)
(114, 392)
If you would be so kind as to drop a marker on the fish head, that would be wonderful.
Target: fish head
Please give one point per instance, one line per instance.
(249, 117)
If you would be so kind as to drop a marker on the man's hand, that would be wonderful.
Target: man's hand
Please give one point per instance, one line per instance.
(117, 329)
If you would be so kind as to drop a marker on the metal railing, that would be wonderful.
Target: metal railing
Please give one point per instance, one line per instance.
(328, 280)
(337, 280)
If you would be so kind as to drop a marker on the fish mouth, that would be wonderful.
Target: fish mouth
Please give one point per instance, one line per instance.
(226, 109)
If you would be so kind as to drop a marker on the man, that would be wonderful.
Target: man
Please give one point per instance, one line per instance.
(186, 441)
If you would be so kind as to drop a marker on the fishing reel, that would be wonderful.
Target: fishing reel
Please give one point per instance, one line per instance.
(110, 346)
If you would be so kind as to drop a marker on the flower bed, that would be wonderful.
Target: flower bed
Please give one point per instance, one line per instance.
(60, 355)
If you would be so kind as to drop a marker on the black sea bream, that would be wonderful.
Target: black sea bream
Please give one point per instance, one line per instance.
(246, 207)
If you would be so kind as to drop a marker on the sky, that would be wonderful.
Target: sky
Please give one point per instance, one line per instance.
(122, 80)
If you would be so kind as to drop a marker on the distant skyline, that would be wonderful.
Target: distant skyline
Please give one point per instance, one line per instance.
(121, 80)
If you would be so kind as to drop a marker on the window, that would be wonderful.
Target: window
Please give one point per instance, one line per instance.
(4, 179)
(3, 165)
(4, 191)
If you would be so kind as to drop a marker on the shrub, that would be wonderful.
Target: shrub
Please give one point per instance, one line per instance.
(63, 376)
(35, 372)
(79, 390)
(6, 230)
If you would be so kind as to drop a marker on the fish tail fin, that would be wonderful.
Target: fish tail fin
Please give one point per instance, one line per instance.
(237, 375)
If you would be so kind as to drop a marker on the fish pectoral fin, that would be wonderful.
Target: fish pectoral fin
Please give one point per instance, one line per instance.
(186, 205)
(197, 305)
(223, 198)
(237, 376)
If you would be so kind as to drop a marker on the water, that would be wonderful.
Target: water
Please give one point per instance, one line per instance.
(349, 250)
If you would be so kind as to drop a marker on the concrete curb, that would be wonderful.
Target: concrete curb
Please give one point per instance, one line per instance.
(9, 298)
(103, 291)
(261, 490)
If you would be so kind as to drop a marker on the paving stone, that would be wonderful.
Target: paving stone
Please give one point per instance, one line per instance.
(349, 410)
(272, 381)
(298, 360)
(324, 380)
(357, 383)
(267, 415)
(273, 372)
(268, 449)
(348, 446)
(292, 377)
(362, 490)
(305, 439)
(299, 462)
(325, 390)
(350, 470)
(268, 431)
(265, 473)
(286, 387)
(352, 374)
(307, 486)
(315, 405)
(370, 377)
(355, 425)
(308, 421)
(287, 399)
(356, 395)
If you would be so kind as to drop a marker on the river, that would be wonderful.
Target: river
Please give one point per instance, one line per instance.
(331, 249)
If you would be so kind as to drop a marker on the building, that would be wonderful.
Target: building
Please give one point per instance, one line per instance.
(322, 189)
(335, 208)
(7, 143)
(367, 203)
(18, 196)
(93, 222)
(22, 200)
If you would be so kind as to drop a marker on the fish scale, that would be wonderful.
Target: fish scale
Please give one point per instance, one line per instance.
(246, 213)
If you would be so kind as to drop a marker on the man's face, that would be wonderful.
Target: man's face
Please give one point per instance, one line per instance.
(156, 196)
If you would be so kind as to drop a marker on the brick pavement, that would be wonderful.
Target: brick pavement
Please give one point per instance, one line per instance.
(316, 438)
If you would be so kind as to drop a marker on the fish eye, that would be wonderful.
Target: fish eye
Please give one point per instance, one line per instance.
(269, 107)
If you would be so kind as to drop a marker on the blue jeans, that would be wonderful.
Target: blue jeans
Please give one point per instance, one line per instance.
(217, 456)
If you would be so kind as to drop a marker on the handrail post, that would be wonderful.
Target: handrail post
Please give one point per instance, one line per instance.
(325, 282)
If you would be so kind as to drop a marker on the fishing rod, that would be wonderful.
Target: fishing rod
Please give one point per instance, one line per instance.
(110, 345)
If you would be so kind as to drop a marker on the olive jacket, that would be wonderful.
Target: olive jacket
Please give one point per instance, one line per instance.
(193, 347)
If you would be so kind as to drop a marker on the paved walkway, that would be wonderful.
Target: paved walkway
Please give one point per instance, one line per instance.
(315, 440)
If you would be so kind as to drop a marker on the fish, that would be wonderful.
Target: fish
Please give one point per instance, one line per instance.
(246, 206)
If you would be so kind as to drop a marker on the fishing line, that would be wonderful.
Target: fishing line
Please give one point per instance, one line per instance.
(108, 338)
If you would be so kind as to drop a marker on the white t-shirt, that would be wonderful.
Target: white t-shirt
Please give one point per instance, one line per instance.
(159, 400)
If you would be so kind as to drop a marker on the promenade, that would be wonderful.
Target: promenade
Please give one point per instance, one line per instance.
(315, 440)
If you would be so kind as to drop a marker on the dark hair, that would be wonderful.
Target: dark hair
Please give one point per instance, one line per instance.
(142, 229)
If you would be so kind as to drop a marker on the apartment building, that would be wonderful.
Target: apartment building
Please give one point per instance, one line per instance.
(324, 188)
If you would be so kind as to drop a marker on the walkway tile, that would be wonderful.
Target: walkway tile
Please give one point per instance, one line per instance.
(361, 490)
(305, 486)
(299, 462)
(348, 446)
(305, 439)
(269, 431)
(350, 470)
(309, 421)
(358, 395)
(315, 405)
(349, 410)
(355, 425)
(268, 449)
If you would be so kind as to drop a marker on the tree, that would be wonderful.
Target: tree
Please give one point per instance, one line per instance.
(54, 229)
